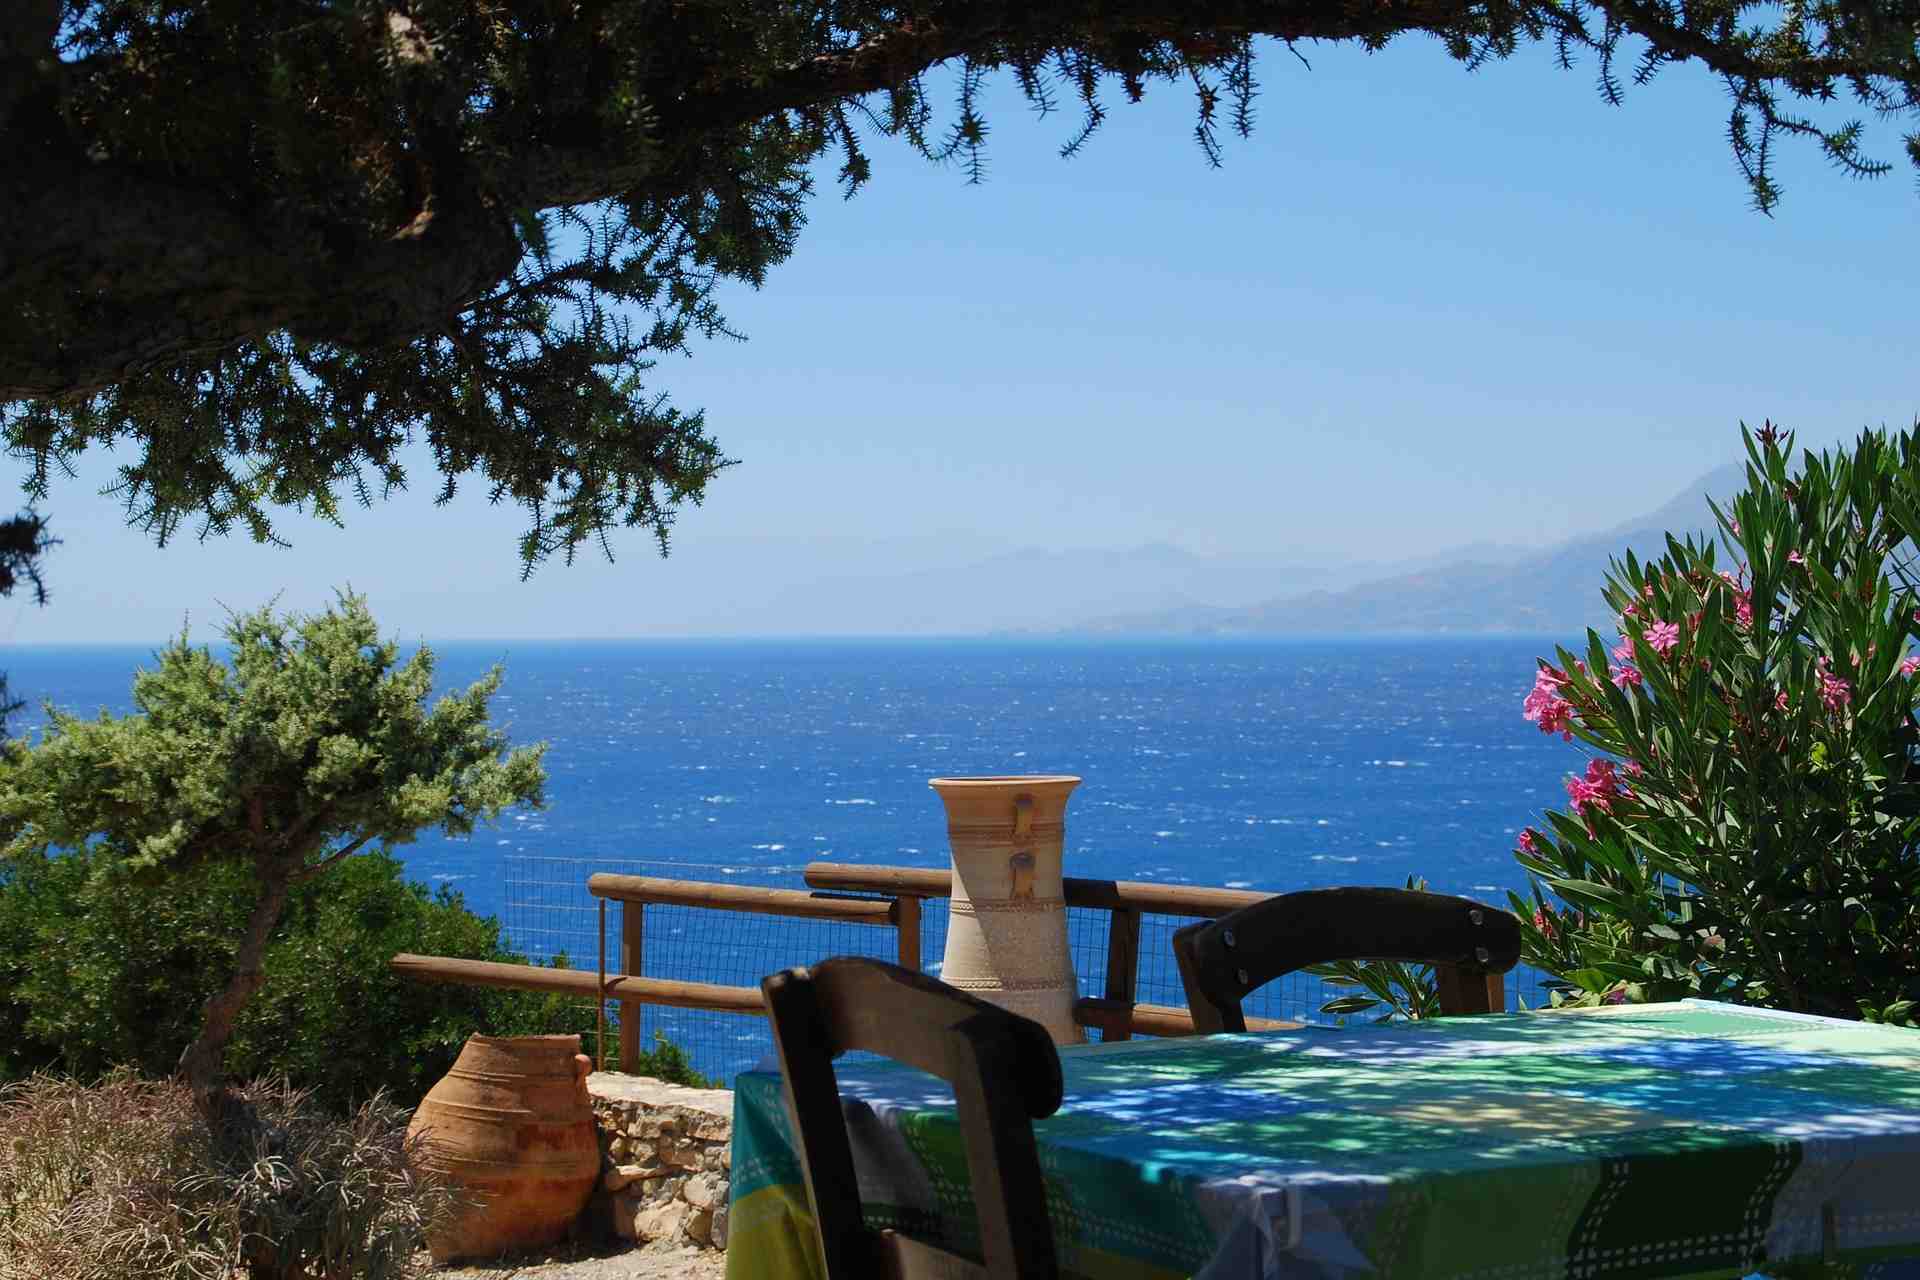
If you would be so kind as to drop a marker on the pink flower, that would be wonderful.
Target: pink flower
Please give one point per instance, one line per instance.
(1545, 707)
(1526, 841)
(1834, 691)
(1742, 600)
(1633, 767)
(1599, 788)
(1542, 923)
(1662, 637)
(1628, 674)
(1736, 526)
(1794, 557)
(1616, 996)
(1577, 798)
(1633, 611)
(1623, 651)
(1910, 664)
(1780, 700)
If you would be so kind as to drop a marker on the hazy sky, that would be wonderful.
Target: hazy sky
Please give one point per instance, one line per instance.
(1418, 308)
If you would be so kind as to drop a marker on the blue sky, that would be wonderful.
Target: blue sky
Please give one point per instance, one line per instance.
(1418, 308)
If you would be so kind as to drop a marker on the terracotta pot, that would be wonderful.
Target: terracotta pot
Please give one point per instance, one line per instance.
(511, 1122)
(1007, 934)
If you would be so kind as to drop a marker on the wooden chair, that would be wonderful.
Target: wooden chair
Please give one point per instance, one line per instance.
(1005, 1075)
(1468, 944)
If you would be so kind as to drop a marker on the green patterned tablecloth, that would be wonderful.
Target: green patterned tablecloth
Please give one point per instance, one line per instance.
(1637, 1141)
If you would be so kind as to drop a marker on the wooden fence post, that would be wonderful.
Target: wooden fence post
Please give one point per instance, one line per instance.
(632, 934)
(600, 995)
(906, 914)
(1123, 963)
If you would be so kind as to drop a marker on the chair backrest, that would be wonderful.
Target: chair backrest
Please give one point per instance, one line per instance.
(1468, 943)
(1005, 1075)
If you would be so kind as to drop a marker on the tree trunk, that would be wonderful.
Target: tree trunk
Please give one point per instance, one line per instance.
(201, 1065)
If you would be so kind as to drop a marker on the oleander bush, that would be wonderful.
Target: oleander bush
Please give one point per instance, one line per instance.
(1747, 823)
(123, 1179)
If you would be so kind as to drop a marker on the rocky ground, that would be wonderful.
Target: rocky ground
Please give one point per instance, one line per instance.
(590, 1262)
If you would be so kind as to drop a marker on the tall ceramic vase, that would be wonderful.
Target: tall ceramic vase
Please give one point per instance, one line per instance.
(512, 1124)
(1007, 935)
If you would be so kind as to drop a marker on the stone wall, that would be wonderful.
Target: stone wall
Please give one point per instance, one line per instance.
(665, 1157)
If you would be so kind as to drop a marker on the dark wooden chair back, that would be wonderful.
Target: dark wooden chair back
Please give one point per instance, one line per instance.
(1005, 1075)
(1468, 943)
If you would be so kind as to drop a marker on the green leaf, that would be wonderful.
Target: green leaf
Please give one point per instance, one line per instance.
(1589, 893)
(1590, 979)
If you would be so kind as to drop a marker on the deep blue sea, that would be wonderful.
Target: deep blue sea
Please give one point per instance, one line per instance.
(1267, 765)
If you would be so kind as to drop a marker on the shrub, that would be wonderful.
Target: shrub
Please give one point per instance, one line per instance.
(665, 1061)
(125, 1179)
(1405, 992)
(1747, 825)
(92, 978)
(79, 1166)
(334, 1018)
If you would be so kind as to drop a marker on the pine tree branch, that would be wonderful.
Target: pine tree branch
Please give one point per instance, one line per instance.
(165, 269)
(31, 30)
(270, 245)
(332, 860)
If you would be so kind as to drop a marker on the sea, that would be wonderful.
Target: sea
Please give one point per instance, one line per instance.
(1257, 764)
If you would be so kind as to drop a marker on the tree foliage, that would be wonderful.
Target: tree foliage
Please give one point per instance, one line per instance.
(310, 741)
(261, 247)
(23, 540)
(93, 979)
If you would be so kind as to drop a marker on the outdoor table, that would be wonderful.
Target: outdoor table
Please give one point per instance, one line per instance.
(1636, 1140)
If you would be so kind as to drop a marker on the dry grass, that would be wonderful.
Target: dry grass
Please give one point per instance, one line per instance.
(122, 1180)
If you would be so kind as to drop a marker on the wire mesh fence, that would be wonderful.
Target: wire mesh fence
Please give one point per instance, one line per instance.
(549, 915)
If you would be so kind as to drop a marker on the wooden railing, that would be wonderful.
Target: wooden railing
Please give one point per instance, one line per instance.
(1115, 1011)
(636, 893)
(627, 990)
(849, 894)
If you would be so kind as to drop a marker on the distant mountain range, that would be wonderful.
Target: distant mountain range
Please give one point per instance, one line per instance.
(1557, 590)
(1030, 590)
(1157, 589)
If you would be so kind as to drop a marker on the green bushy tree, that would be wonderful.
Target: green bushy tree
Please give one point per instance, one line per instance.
(1748, 825)
(90, 981)
(254, 776)
(93, 981)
